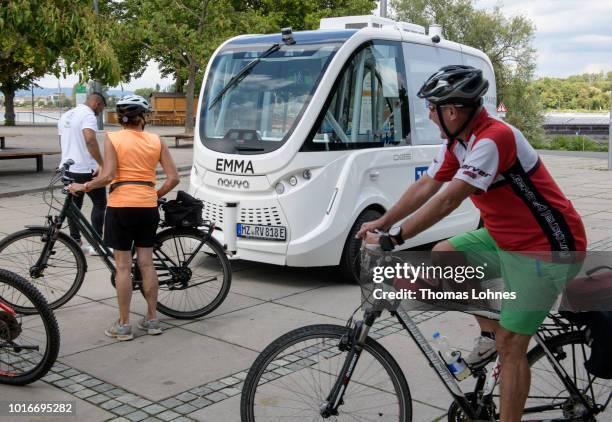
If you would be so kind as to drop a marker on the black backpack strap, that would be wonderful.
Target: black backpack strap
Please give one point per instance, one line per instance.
(130, 182)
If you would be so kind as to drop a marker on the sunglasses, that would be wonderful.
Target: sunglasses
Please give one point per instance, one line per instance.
(432, 106)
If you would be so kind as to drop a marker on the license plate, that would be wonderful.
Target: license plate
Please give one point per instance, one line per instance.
(256, 231)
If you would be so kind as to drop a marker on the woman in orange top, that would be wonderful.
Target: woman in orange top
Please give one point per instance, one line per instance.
(131, 156)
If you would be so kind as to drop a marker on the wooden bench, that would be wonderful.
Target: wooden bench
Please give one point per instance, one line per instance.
(179, 137)
(17, 153)
(3, 139)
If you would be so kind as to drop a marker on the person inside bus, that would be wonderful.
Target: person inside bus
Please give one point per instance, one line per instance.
(522, 208)
(131, 157)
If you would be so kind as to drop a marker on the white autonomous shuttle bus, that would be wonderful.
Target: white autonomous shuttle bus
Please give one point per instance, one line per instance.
(302, 137)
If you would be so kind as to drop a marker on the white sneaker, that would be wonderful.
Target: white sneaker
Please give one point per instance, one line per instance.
(92, 251)
(89, 250)
(484, 349)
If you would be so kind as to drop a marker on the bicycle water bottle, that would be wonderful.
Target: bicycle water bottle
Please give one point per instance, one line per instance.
(452, 358)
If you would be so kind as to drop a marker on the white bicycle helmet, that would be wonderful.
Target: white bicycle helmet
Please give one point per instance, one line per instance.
(132, 106)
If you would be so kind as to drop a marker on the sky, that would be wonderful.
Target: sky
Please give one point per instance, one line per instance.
(571, 37)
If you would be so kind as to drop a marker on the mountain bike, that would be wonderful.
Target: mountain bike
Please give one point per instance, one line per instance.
(193, 270)
(334, 372)
(29, 336)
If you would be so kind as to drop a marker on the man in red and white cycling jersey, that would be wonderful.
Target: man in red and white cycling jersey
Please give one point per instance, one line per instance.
(521, 206)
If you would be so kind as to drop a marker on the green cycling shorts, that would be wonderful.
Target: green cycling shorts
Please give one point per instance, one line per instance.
(536, 283)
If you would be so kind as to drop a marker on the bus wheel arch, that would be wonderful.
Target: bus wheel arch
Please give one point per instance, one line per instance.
(349, 261)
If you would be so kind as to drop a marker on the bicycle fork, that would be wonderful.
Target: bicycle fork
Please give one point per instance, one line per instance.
(49, 238)
(354, 345)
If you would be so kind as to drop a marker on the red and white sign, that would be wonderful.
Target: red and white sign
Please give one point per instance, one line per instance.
(501, 108)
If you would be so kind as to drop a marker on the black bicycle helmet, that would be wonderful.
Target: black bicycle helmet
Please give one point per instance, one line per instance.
(455, 84)
(132, 106)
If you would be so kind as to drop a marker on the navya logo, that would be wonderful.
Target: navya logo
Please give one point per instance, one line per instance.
(233, 183)
(419, 172)
(234, 166)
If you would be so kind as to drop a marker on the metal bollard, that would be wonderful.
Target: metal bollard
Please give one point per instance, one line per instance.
(230, 217)
(610, 136)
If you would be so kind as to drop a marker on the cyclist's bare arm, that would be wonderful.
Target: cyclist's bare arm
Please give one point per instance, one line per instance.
(415, 196)
(92, 145)
(437, 208)
(106, 175)
(172, 177)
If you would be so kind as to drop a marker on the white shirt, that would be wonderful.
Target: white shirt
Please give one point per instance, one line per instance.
(70, 128)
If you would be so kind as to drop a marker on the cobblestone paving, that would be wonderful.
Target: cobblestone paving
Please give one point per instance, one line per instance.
(129, 406)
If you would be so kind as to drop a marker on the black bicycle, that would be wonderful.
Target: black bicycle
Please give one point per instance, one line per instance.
(193, 270)
(29, 336)
(334, 372)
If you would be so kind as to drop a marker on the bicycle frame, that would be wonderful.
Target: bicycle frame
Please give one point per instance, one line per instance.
(486, 380)
(7, 309)
(71, 211)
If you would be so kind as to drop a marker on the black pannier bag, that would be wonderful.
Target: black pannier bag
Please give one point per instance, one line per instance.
(589, 302)
(184, 211)
(599, 324)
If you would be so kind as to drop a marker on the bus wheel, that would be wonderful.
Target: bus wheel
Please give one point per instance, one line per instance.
(349, 262)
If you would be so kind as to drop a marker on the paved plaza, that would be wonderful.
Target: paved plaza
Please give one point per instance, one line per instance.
(195, 370)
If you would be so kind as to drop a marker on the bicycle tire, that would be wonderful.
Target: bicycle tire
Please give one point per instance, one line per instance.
(297, 365)
(52, 334)
(214, 272)
(562, 343)
(20, 250)
(549, 378)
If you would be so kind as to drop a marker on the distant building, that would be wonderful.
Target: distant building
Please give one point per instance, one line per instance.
(594, 125)
(56, 96)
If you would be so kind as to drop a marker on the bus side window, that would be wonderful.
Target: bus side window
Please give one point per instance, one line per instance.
(369, 106)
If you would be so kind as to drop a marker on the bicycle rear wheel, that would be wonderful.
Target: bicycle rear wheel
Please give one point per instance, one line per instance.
(194, 279)
(571, 351)
(61, 279)
(548, 397)
(292, 377)
(29, 343)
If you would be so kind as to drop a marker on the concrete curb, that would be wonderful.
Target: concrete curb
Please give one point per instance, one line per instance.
(182, 170)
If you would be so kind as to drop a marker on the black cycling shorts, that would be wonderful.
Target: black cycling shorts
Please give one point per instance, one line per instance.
(124, 227)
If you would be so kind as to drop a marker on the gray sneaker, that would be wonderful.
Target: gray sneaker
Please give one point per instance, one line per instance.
(121, 332)
(151, 326)
(484, 349)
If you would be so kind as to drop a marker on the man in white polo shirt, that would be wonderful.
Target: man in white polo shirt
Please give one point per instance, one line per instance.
(77, 130)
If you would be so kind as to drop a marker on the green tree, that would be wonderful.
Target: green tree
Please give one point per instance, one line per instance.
(507, 41)
(144, 92)
(586, 92)
(35, 34)
(182, 34)
(302, 14)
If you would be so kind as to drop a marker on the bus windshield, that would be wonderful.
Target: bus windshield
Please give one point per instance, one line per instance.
(261, 109)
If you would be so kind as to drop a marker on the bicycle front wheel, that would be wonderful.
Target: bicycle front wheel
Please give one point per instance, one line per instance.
(194, 275)
(29, 342)
(64, 272)
(292, 378)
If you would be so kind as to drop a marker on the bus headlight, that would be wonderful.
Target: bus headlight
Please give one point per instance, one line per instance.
(307, 174)
(293, 181)
(279, 188)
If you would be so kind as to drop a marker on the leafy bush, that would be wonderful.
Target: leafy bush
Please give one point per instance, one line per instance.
(570, 143)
